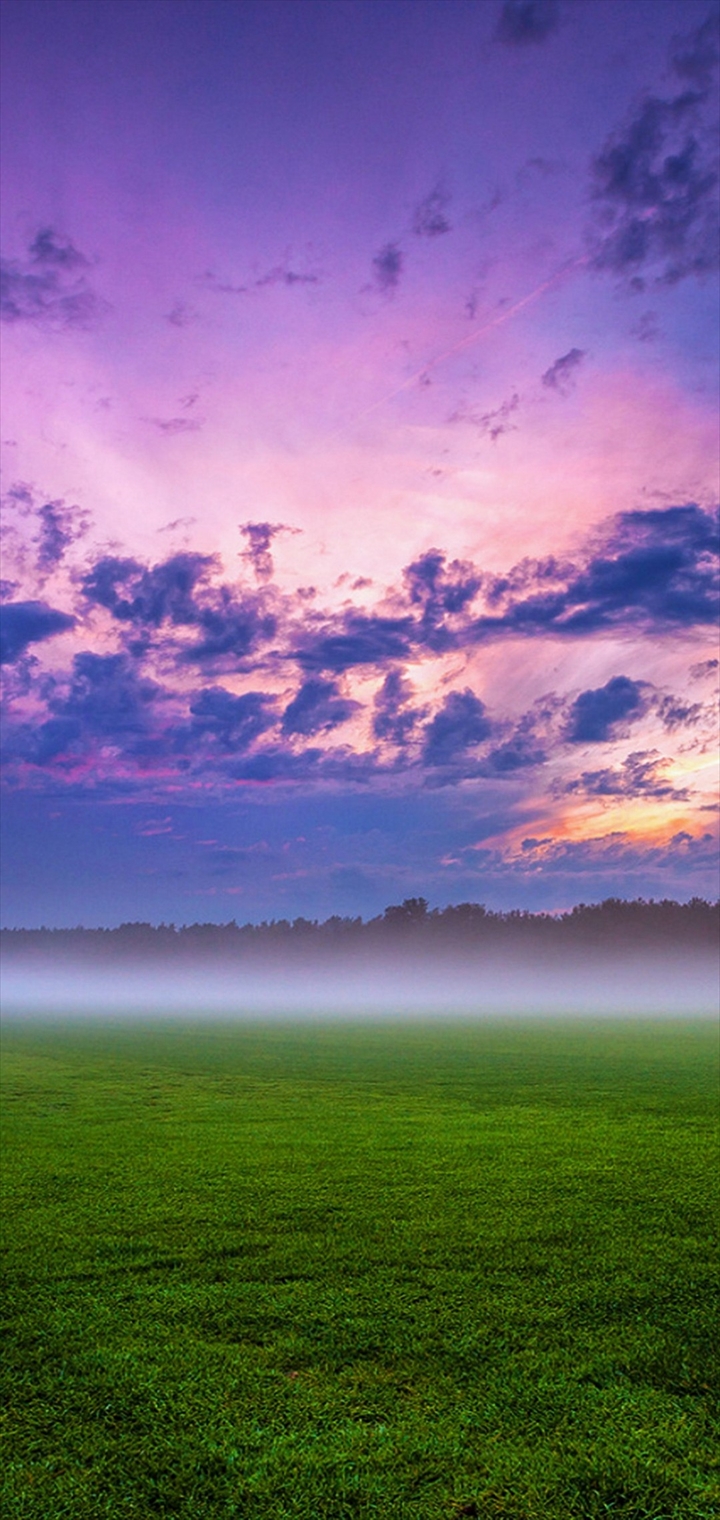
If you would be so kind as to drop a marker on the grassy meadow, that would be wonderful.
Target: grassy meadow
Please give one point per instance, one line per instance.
(316, 1272)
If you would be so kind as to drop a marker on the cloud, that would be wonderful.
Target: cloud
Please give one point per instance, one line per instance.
(278, 764)
(613, 859)
(147, 595)
(655, 181)
(526, 21)
(677, 714)
(394, 719)
(595, 716)
(317, 706)
(259, 536)
(520, 752)
(561, 374)
(429, 219)
(492, 424)
(387, 267)
(703, 668)
(439, 590)
(460, 724)
(640, 775)
(108, 696)
(231, 625)
(23, 623)
(282, 275)
(59, 527)
(210, 281)
(231, 722)
(105, 703)
(181, 315)
(177, 592)
(648, 572)
(439, 587)
(172, 425)
(355, 638)
(48, 248)
(646, 329)
(48, 289)
(653, 570)
(695, 56)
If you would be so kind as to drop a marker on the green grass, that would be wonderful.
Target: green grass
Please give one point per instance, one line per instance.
(399, 1271)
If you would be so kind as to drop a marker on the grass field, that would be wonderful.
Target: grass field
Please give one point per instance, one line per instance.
(398, 1271)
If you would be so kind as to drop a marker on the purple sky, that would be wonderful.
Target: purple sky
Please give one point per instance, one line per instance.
(359, 455)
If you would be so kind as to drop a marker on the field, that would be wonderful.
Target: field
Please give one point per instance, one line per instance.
(408, 1271)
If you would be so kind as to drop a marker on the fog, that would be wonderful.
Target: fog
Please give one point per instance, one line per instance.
(657, 985)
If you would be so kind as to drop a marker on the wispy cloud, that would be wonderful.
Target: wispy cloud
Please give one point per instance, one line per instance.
(171, 426)
(523, 22)
(24, 623)
(561, 375)
(49, 288)
(655, 181)
(429, 218)
(387, 267)
(642, 774)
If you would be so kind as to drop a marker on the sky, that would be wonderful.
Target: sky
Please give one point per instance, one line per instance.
(359, 453)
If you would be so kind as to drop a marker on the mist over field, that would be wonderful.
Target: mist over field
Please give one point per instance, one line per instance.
(615, 959)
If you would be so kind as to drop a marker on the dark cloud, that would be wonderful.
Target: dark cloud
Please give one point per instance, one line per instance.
(640, 775)
(643, 571)
(356, 638)
(518, 753)
(677, 714)
(230, 722)
(108, 696)
(318, 706)
(105, 703)
(23, 623)
(655, 182)
(259, 536)
(48, 248)
(695, 56)
(524, 21)
(650, 570)
(387, 267)
(149, 595)
(429, 219)
(394, 719)
(656, 569)
(560, 375)
(278, 764)
(231, 625)
(461, 723)
(49, 289)
(596, 716)
(178, 592)
(440, 590)
(59, 527)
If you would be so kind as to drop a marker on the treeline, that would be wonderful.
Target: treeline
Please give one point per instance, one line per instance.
(613, 925)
